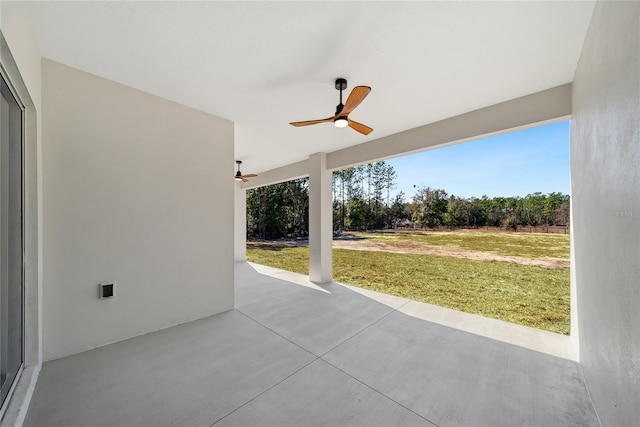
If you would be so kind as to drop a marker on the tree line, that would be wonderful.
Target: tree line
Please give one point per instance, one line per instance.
(362, 200)
(434, 207)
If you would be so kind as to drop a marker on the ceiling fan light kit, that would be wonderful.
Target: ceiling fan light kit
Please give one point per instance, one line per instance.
(341, 118)
(341, 122)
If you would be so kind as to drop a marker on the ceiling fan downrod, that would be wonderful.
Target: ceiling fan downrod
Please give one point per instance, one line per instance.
(341, 84)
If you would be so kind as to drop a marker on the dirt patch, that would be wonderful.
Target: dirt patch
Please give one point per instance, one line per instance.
(422, 249)
(408, 247)
(277, 244)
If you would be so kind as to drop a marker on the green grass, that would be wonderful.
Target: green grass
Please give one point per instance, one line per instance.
(529, 245)
(526, 295)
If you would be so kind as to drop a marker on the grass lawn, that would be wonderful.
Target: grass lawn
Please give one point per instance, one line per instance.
(526, 295)
(529, 245)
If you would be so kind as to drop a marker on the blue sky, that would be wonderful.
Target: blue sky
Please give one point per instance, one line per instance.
(514, 164)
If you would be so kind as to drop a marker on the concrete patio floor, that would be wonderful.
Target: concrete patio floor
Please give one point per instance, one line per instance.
(296, 354)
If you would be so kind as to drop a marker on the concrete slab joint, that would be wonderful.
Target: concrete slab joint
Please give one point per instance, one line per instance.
(320, 220)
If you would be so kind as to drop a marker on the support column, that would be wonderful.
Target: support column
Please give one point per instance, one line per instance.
(240, 224)
(320, 220)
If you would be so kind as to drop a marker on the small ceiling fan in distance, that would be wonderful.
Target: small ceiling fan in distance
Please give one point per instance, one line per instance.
(239, 177)
(341, 118)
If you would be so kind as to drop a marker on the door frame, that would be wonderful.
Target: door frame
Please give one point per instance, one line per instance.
(17, 402)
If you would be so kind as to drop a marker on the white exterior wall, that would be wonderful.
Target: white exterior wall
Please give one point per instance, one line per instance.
(22, 42)
(21, 38)
(137, 190)
(17, 28)
(605, 190)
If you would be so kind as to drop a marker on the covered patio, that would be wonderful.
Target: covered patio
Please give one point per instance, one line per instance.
(296, 353)
(128, 118)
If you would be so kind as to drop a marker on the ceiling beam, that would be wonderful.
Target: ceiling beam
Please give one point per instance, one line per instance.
(281, 174)
(548, 106)
(540, 108)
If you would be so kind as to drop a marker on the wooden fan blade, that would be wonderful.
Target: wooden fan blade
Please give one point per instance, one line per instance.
(245, 180)
(355, 98)
(249, 175)
(313, 122)
(363, 129)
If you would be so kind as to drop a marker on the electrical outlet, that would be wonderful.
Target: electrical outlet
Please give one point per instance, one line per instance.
(107, 290)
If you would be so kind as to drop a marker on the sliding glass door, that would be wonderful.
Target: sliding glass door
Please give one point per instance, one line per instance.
(11, 240)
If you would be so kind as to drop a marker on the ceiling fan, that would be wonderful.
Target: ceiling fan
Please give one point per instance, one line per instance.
(239, 177)
(341, 118)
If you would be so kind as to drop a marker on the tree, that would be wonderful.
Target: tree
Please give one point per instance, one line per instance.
(398, 210)
(359, 196)
(356, 213)
(477, 215)
(562, 214)
(279, 210)
(457, 214)
(431, 205)
(390, 177)
(362, 200)
(556, 209)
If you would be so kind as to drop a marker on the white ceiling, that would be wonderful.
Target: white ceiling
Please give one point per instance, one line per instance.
(265, 64)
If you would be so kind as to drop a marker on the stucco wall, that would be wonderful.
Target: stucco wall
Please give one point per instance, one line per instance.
(17, 28)
(137, 191)
(605, 188)
(23, 47)
(20, 36)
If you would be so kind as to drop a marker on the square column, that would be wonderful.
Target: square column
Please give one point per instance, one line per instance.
(320, 220)
(240, 223)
